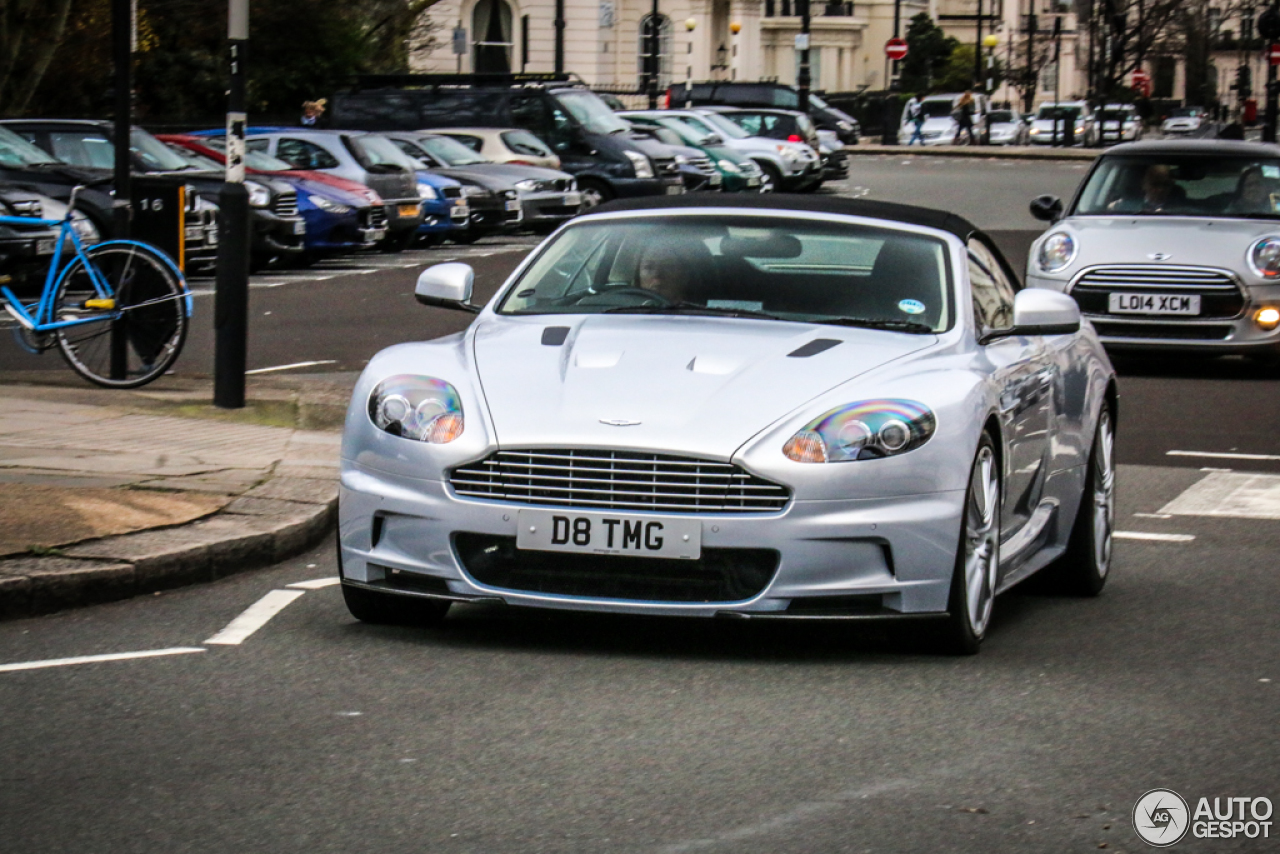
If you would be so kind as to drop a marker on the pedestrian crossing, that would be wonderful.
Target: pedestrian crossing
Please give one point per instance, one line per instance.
(1238, 495)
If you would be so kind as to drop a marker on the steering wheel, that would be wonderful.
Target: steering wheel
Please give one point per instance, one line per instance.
(605, 295)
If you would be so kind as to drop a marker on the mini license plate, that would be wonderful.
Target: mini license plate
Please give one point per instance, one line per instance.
(1154, 304)
(609, 534)
(300, 227)
(45, 247)
(513, 204)
(408, 210)
(675, 189)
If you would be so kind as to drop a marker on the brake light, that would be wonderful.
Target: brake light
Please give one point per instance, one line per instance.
(795, 137)
(666, 100)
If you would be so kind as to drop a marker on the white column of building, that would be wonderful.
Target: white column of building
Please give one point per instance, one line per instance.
(745, 56)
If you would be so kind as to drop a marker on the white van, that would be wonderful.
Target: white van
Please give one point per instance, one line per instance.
(939, 127)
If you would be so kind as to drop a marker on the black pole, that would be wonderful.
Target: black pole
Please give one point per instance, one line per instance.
(1057, 75)
(122, 57)
(559, 25)
(803, 78)
(1033, 75)
(524, 42)
(231, 300)
(652, 83)
(977, 52)
(1269, 29)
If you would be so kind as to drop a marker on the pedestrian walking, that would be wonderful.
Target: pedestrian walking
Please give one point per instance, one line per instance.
(963, 115)
(914, 113)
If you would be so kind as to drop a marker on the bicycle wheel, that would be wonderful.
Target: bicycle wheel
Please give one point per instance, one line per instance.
(132, 338)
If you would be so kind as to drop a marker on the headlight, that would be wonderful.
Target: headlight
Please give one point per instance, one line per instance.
(85, 228)
(1264, 257)
(529, 185)
(325, 205)
(1058, 251)
(259, 196)
(419, 408)
(473, 190)
(843, 125)
(1035, 131)
(640, 163)
(1080, 129)
(868, 430)
(788, 153)
(426, 191)
(681, 159)
(729, 166)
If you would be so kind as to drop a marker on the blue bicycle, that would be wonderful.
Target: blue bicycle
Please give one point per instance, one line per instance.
(117, 311)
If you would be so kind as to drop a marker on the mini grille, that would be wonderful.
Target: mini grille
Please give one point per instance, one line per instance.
(1220, 296)
(621, 480)
(286, 204)
(1158, 331)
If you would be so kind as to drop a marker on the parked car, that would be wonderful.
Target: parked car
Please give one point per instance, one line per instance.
(737, 172)
(1119, 123)
(835, 163)
(697, 170)
(783, 127)
(505, 145)
(589, 139)
(1049, 127)
(857, 360)
(1171, 245)
(782, 164)
(341, 215)
(83, 152)
(26, 166)
(1184, 120)
(1006, 127)
(733, 93)
(357, 156)
(25, 251)
(547, 197)
(940, 126)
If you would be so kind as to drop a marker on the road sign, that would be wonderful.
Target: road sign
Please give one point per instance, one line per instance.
(802, 41)
(895, 48)
(1273, 53)
(1141, 82)
(459, 40)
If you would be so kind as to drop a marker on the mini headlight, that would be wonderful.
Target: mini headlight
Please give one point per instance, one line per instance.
(259, 196)
(1264, 257)
(1057, 252)
(1267, 319)
(426, 191)
(641, 164)
(326, 205)
(729, 166)
(420, 408)
(868, 430)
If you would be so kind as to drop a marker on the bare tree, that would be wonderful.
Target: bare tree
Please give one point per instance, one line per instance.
(30, 32)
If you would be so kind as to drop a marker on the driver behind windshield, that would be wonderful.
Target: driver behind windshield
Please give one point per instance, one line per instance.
(1159, 193)
(1253, 193)
(667, 269)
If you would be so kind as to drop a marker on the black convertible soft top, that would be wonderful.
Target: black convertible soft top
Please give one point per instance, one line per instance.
(909, 214)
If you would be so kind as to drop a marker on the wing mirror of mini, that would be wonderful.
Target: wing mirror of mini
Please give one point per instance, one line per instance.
(1047, 208)
(447, 286)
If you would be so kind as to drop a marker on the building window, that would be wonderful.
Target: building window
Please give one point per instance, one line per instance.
(644, 60)
(491, 26)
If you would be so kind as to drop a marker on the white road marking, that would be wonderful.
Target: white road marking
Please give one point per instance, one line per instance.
(290, 367)
(1147, 535)
(315, 583)
(90, 659)
(254, 617)
(1222, 455)
(1214, 468)
(1235, 494)
(1154, 515)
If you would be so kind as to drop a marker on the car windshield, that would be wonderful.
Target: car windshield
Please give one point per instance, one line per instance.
(778, 268)
(155, 155)
(379, 154)
(1058, 113)
(258, 160)
(1115, 115)
(523, 142)
(1183, 185)
(936, 109)
(449, 151)
(719, 123)
(195, 158)
(17, 153)
(592, 113)
(1186, 112)
(1000, 117)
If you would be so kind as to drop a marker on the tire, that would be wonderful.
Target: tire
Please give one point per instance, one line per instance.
(139, 338)
(771, 181)
(973, 583)
(389, 609)
(594, 193)
(393, 244)
(1083, 570)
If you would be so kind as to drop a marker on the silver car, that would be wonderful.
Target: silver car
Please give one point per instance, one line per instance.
(1171, 245)
(756, 407)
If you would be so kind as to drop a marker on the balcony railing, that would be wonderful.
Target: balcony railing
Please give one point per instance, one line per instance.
(792, 9)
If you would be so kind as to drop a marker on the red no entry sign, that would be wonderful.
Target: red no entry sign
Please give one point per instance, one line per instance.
(1273, 53)
(895, 48)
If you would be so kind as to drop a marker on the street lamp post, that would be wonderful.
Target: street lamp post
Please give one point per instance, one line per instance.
(1269, 29)
(689, 24)
(231, 300)
(653, 56)
(977, 50)
(803, 79)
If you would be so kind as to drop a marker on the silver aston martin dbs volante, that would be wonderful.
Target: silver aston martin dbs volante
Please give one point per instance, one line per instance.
(783, 407)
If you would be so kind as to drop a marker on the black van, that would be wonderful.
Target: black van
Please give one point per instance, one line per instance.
(777, 95)
(593, 144)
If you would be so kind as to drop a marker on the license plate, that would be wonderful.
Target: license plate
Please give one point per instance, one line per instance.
(572, 200)
(373, 235)
(675, 190)
(1154, 304)
(609, 534)
(45, 247)
(299, 227)
(408, 210)
(753, 182)
(513, 204)
(195, 232)
(715, 180)
(211, 235)
(460, 211)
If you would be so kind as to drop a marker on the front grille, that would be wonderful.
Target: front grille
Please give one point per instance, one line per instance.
(1163, 331)
(665, 166)
(719, 575)
(618, 480)
(373, 217)
(452, 192)
(561, 185)
(286, 204)
(703, 165)
(1220, 296)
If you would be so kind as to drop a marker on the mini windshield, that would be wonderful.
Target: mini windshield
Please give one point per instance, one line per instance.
(776, 268)
(17, 153)
(258, 160)
(1187, 185)
(1187, 112)
(592, 113)
(449, 151)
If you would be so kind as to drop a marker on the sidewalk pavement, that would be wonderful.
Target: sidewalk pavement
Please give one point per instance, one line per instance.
(1003, 152)
(109, 494)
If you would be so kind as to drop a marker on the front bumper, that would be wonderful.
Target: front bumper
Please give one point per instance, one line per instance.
(404, 214)
(543, 207)
(278, 235)
(627, 188)
(845, 558)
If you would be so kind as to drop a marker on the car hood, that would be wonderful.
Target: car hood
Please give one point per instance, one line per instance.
(473, 175)
(701, 385)
(1194, 241)
(514, 172)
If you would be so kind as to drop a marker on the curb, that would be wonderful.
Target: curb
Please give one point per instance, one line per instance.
(990, 152)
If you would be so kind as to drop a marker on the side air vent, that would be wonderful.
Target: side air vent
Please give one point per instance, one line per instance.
(813, 348)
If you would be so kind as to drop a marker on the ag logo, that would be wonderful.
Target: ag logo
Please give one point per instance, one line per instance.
(1161, 817)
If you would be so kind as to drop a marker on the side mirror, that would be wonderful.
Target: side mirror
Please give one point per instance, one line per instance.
(447, 286)
(1037, 311)
(1047, 208)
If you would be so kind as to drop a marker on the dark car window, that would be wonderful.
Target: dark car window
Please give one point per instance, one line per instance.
(305, 155)
(83, 148)
(530, 112)
(992, 290)
(1000, 117)
(474, 143)
(522, 142)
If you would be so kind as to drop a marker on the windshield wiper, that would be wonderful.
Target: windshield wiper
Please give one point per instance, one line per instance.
(690, 308)
(867, 323)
